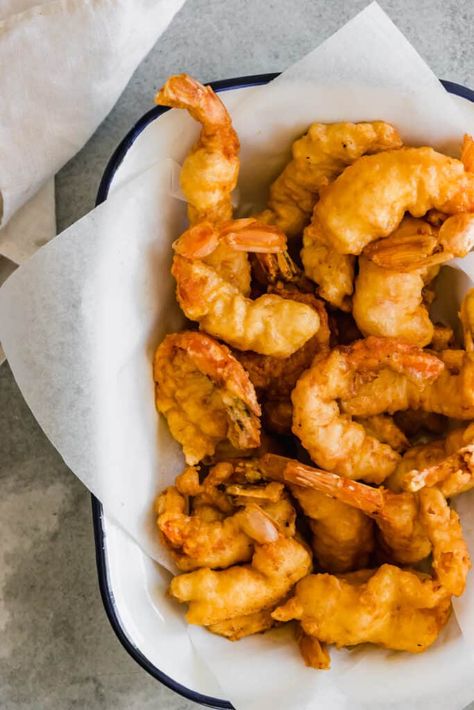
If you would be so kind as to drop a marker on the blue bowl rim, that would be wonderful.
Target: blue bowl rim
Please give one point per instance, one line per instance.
(97, 508)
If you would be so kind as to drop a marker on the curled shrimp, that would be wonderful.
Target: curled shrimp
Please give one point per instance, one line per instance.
(452, 475)
(275, 378)
(201, 539)
(205, 395)
(393, 272)
(319, 157)
(394, 608)
(424, 456)
(242, 590)
(451, 394)
(369, 199)
(269, 325)
(332, 439)
(210, 171)
(342, 535)
(396, 515)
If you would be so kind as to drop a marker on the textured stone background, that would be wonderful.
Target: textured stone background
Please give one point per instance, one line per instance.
(57, 649)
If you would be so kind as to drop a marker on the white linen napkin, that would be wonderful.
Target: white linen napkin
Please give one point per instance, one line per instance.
(64, 65)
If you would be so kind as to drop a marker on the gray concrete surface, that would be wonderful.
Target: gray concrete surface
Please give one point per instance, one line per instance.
(57, 650)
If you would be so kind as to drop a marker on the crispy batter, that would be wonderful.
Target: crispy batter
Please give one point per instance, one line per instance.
(383, 428)
(331, 438)
(390, 303)
(331, 271)
(423, 456)
(342, 537)
(451, 394)
(240, 626)
(270, 325)
(210, 171)
(371, 196)
(208, 539)
(451, 561)
(313, 652)
(394, 608)
(390, 295)
(452, 475)
(275, 378)
(317, 158)
(216, 596)
(397, 515)
(205, 395)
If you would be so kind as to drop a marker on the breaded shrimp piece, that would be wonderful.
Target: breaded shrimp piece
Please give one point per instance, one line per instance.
(216, 596)
(342, 535)
(275, 378)
(331, 271)
(333, 441)
(313, 652)
(452, 475)
(398, 609)
(430, 457)
(451, 394)
(397, 515)
(240, 626)
(197, 541)
(390, 304)
(210, 171)
(451, 561)
(389, 296)
(368, 200)
(383, 428)
(270, 325)
(205, 395)
(319, 157)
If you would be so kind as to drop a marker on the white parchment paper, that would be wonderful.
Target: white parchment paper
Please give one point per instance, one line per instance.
(80, 320)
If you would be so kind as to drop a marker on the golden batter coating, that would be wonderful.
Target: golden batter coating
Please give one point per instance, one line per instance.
(398, 609)
(210, 171)
(333, 440)
(209, 540)
(275, 378)
(205, 395)
(369, 199)
(216, 596)
(270, 325)
(390, 303)
(451, 394)
(319, 157)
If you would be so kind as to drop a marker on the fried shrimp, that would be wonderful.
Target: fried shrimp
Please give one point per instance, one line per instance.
(205, 395)
(385, 430)
(342, 535)
(215, 541)
(332, 439)
(395, 608)
(269, 325)
(393, 272)
(452, 475)
(398, 609)
(423, 457)
(275, 378)
(319, 157)
(218, 596)
(397, 515)
(210, 171)
(369, 199)
(451, 394)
